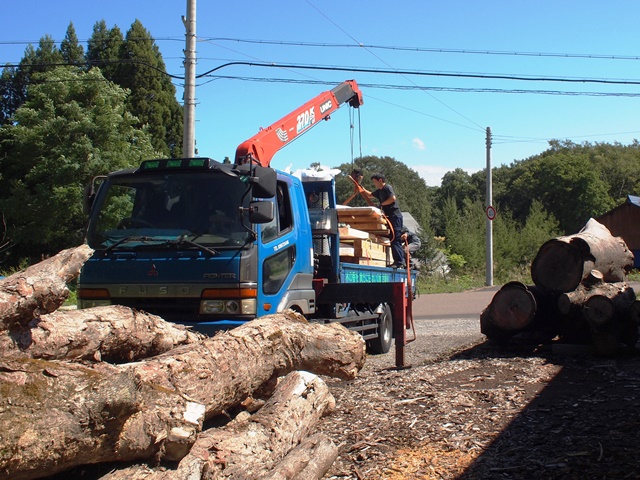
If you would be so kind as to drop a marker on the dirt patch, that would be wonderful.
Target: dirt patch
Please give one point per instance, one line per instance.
(486, 413)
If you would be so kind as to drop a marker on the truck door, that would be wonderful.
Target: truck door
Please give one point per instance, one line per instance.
(277, 252)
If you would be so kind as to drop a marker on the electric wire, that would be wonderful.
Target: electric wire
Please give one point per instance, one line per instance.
(388, 65)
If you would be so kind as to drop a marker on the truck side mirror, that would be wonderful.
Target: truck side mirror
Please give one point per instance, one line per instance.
(90, 191)
(260, 212)
(264, 182)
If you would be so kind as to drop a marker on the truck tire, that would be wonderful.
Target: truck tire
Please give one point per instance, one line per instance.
(382, 344)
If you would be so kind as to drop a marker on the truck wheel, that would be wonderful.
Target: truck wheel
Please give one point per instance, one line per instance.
(382, 344)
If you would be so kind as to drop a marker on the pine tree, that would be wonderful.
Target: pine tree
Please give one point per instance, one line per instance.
(153, 96)
(103, 49)
(71, 50)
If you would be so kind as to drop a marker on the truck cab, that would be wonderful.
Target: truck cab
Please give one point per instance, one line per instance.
(213, 245)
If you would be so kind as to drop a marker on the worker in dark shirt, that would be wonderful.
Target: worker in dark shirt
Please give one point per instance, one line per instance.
(389, 205)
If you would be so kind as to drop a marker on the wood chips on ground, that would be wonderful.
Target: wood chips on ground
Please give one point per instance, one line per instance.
(491, 413)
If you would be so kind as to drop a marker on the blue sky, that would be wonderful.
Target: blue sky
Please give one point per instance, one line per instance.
(430, 131)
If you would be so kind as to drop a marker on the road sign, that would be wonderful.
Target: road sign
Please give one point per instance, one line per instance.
(491, 212)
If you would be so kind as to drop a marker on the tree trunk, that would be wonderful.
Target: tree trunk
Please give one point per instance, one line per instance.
(154, 408)
(41, 288)
(249, 446)
(308, 461)
(517, 308)
(113, 334)
(604, 312)
(512, 308)
(562, 263)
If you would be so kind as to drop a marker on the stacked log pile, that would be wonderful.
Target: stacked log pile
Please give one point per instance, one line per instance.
(110, 385)
(580, 295)
(364, 235)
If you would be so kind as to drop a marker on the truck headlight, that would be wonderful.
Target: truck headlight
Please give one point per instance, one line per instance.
(245, 306)
(93, 303)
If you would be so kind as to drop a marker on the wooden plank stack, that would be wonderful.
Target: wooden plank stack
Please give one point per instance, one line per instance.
(368, 219)
(363, 236)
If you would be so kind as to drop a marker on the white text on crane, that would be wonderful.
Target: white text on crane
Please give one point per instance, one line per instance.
(306, 119)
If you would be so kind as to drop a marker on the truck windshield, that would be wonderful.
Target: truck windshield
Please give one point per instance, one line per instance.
(200, 208)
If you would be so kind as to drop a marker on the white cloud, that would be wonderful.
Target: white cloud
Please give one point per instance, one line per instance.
(418, 144)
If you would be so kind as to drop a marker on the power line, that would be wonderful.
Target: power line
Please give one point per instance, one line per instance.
(427, 50)
(429, 88)
(487, 76)
(388, 65)
(462, 51)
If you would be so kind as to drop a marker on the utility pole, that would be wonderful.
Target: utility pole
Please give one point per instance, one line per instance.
(491, 213)
(189, 132)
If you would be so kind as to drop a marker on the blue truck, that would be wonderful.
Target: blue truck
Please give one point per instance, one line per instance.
(213, 245)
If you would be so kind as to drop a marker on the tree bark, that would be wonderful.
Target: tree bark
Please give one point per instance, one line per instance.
(154, 408)
(605, 314)
(251, 445)
(562, 263)
(113, 334)
(310, 460)
(41, 288)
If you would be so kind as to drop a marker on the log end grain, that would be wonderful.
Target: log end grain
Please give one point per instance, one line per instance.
(513, 307)
(558, 266)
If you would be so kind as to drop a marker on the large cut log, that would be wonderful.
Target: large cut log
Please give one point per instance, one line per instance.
(41, 288)
(273, 444)
(603, 313)
(562, 263)
(518, 308)
(249, 446)
(113, 334)
(57, 415)
(308, 461)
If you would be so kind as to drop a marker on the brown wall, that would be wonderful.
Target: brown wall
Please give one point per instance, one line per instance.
(624, 221)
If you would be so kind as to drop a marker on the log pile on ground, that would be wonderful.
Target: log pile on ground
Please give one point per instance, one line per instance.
(580, 295)
(113, 385)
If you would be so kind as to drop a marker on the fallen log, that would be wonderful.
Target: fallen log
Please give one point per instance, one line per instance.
(602, 313)
(310, 460)
(273, 444)
(512, 308)
(113, 334)
(41, 288)
(154, 408)
(518, 308)
(562, 263)
(251, 445)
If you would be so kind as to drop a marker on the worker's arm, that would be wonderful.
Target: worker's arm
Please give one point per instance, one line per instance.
(389, 201)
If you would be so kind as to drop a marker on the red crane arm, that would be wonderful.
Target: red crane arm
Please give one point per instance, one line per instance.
(262, 146)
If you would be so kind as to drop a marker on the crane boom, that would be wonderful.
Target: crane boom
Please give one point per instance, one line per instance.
(263, 146)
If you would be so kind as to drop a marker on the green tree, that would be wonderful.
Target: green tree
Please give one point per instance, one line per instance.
(465, 231)
(414, 196)
(565, 182)
(15, 80)
(153, 96)
(73, 126)
(71, 51)
(103, 49)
